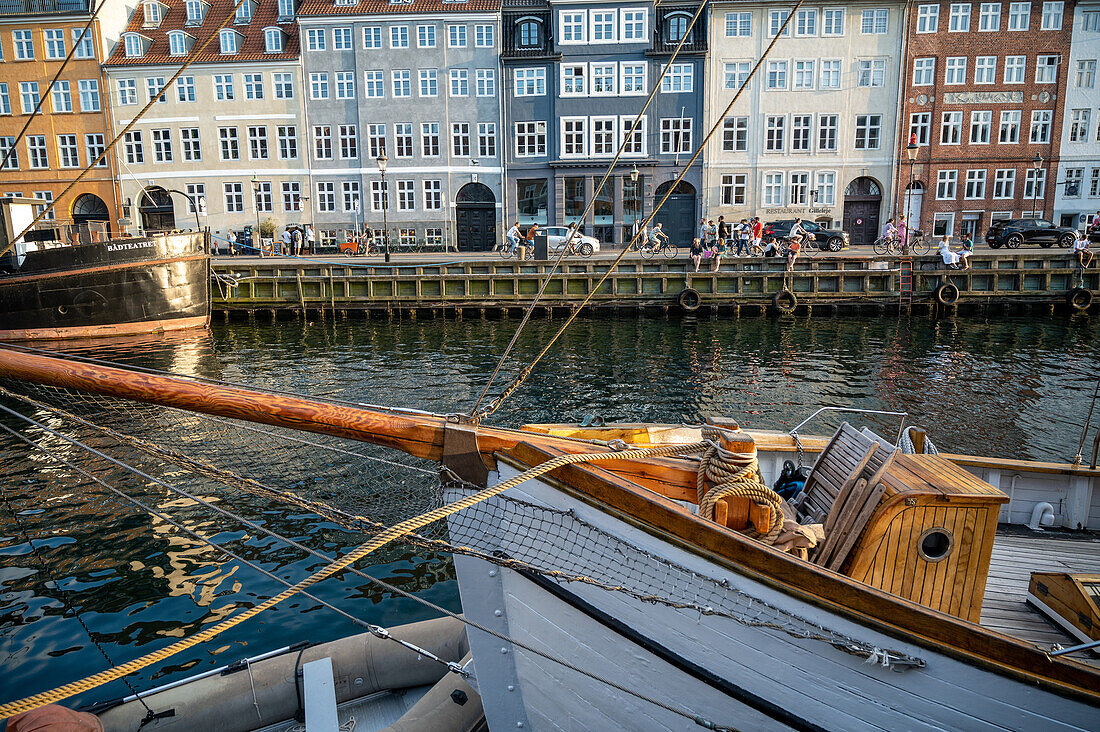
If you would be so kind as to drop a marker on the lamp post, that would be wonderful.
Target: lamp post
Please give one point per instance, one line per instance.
(637, 199)
(1036, 164)
(382, 162)
(911, 153)
(256, 203)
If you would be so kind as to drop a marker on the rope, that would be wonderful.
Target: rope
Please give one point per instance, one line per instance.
(905, 442)
(735, 474)
(384, 538)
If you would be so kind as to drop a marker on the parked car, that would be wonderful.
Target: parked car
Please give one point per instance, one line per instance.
(557, 236)
(832, 239)
(1012, 233)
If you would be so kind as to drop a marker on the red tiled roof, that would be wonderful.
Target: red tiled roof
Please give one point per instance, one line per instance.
(264, 15)
(406, 7)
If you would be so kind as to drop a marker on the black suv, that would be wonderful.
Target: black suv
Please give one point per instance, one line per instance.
(1012, 233)
(832, 239)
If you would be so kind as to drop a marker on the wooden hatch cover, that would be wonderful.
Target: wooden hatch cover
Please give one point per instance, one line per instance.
(1069, 600)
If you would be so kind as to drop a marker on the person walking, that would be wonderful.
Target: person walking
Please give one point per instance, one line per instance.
(757, 231)
(703, 231)
(712, 234)
(285, 247)
(232, 239)
(724, 232)
(744, 236)
(296, 237)
(309, 243)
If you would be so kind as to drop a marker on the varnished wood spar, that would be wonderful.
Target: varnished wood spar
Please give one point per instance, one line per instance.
(420, 435)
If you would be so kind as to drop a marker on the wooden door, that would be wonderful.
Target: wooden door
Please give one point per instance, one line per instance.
(475, 227)
(861, 221)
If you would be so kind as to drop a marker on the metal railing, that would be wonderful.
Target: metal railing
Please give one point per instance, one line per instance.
(803, 423)
(35, 7)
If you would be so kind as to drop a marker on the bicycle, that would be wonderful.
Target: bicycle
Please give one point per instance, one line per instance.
(893, 245)
(509, 251)
(649, 250)
(581, 249)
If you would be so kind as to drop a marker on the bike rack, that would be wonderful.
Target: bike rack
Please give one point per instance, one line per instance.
(901, 427)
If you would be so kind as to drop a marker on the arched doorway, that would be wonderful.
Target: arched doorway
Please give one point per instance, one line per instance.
(475, 218)
(157, 212)
(914, 201)
(91, 218)
(862, 203)
(677, 216)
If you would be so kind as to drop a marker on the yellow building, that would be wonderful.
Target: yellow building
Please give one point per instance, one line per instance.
(71, 128)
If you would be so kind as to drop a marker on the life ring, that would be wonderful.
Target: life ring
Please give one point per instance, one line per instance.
(947, 294)
(690, 300)
(785, 301)
(1079, 299)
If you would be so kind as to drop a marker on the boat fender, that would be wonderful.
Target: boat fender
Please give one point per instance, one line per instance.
(690, 300)
(790, 482)
(785, 301)
(1079, 299)
(947, 294)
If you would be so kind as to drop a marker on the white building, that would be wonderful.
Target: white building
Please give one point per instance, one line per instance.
(814, 133)
(1077, 194)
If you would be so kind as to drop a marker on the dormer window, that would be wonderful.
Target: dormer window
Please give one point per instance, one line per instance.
(196, 11)
(529, 34)
(352, 3)
(134, 45)
(230, 41)
(244, 12)
(154, 13)
(676, 27)
(273, 40)
(179, 43)
(286, 10)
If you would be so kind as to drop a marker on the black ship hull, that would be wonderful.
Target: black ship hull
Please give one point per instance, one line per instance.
(119, 287)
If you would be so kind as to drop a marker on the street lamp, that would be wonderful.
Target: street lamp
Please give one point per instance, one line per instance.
(256, 203)
(1036, 164)
(637, 199)
(911, 153)
(382, 162)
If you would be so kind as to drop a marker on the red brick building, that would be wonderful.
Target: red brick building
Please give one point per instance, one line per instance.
(982, 99)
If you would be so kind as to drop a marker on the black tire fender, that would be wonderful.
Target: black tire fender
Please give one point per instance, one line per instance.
(947, 294)
(689, 299)
(785, 301)
(1079, 299)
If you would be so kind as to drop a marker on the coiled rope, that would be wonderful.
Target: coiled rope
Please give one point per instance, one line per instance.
(382, 539)
(731, 474)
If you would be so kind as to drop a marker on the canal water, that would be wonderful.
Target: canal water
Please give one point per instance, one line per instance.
(1012, 387)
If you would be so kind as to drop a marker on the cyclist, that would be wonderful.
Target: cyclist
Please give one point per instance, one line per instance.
(513, 238)
(797, 235)
(889, 231)
(655, 237)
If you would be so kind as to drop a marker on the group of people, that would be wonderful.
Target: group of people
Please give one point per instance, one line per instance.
(744, 239)
(296, 239)
(515, 237)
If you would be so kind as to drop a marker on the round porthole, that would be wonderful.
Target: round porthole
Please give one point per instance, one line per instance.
(935, 544)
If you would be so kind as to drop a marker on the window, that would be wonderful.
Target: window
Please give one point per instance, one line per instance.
(633, 78)
(805, 23)
(1019, 16)
(960, 18)
(943, 224)
(951, 128)
(244, 12)
(830, 74)
(23, 43)
(374, 85)
(372, 37)
(460, 83)
(834, 22)
(871, 72)
(827, 125)
(133, 147)
(425, 36)
(676, 135)
(234, 197)
(799, 189)
(484, 36)
(946, 182)
(223, 87)
(777, 75)
(127, 91)
(775, 135)
(83, 43)
(603, 135)
(981, 125)
(603, 26)
(801, 125)
(28, 96)
(402, 83)
(315, 39)
(603, 78)
(55, 43)
(62, 97)
(928, 18)
(776, 19)
(874, 22)
(678, 78)
(379, 196)
(920, 127)
(1035, 183)
(804, 75)
(773, 189)
(734, 188)
(456, 36)
(189, 142)
(229, 145)
(924, 71)
(194, 10)
(5, 100)
(826, 188)
(177, 43)
(257, 143)
(572, 80)
(735, 134)
(1074, 177)
(1004, 183)
(429, 82)
(345, 85)
(529, 34)
(350, 189)
(1094, 183)
(530, 139)
(318, 85)
(273, 40)
(486, 139)
(68, 156)
(1090, 22)
(44, 208)
(737, 74)
(326, 196)
(429, 139)
(284, 86)
(487, 82)
(1040, 125)
(1086, 74)
(403, 140)
(633, 140)
(1079, 125)
(433, 236)
(287, 136)
(1010, 126)
(94, 144)
(322, 142)
(738, 25)
(573, 136)
(154, 86)
(349, 141)
(8, 144)
(253, 86)
(1015, 67)
(1052, 16)
(229, 41)
(868, 131)
(1046, 69)
(162, 146)
(956, 70)
(292, 195)
(989, 18)
(399, 36)
(406, 195)
(376, 140)
(134, 45)
(985, 70)
(185, 89)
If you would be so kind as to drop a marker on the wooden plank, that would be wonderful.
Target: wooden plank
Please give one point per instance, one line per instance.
(844, 496)
(841, 518)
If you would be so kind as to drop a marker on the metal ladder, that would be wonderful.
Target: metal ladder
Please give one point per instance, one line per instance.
(905, 280)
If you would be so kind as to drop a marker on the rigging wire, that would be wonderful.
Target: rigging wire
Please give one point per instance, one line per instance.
(191, 57)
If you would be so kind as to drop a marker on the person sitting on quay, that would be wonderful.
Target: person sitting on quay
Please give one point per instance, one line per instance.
(696, 252)
(716, 252)
(966, 249)
(1081, 251)
(950, 258)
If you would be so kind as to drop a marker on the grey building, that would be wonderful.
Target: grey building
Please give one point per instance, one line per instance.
(419, 81)
(576, 75)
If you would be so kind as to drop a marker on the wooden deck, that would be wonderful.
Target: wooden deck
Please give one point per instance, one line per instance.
(1015, 557)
